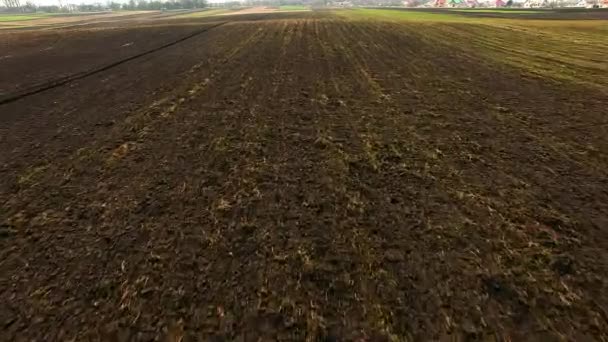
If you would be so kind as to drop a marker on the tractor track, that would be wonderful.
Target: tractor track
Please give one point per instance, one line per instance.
(78, 76)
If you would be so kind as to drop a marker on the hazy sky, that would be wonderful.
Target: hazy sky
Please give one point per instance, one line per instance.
(88, 2)
(77, 2)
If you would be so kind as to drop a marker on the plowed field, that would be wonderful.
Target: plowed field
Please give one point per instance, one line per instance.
(307, 176)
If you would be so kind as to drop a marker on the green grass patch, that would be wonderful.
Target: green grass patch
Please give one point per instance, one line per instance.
(294, 8)
(566, 50)
(403, 15)
(19, 17)
(498, 10)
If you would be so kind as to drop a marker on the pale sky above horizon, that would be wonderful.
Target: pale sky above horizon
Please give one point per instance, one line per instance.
(88, 2)
(76, 2)
(91, 2)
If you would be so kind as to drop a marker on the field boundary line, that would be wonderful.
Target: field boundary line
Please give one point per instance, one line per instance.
(78, 76)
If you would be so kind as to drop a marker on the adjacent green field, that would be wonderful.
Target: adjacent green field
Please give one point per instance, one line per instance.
(294, 8)
(20, 17)
(498, 10)
(566, 50)
(402, 15)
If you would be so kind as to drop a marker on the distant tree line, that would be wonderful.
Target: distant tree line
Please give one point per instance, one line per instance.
(143, 5)
(12, 6)
(321, 3)
(11, 3)
(132, 5)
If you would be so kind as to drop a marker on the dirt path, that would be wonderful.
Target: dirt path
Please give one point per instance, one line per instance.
(253, 10)
(304, 179)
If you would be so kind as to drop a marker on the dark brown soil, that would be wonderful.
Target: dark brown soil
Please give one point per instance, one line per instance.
(285, 178)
